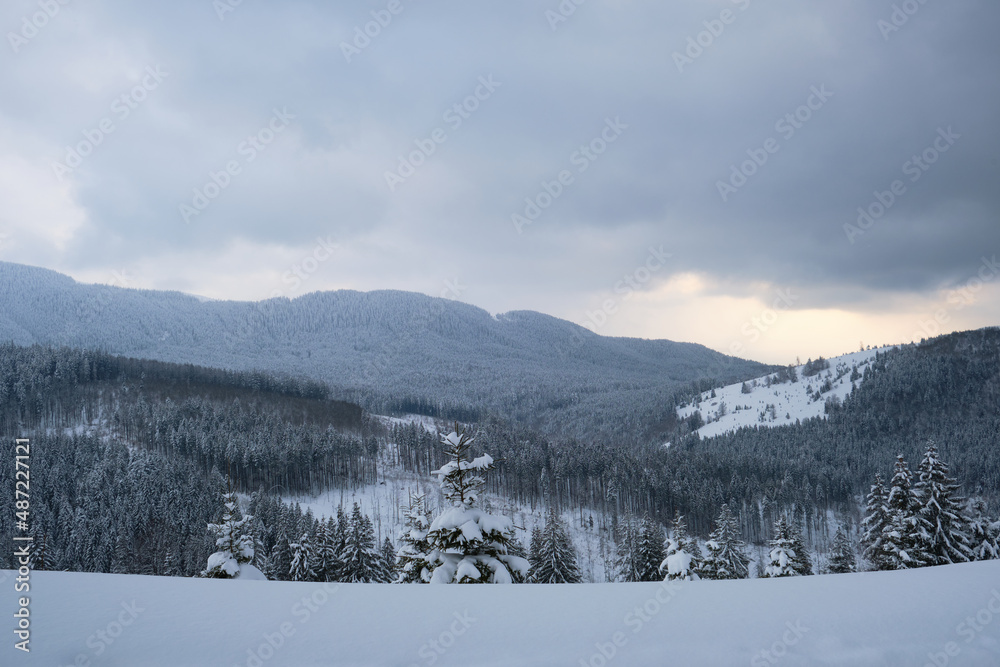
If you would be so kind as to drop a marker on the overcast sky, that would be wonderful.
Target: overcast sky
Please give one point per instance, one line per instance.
(350, 165)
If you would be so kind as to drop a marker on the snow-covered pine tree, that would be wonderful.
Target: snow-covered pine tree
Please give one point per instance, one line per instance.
(326, 554)
(803, 561)
(360, 556)
(650, 550)
(782, 561)
(627, 567)
(941, 512)
(411, 556)
(556, 561)
(725, 552)
(387, 562)
(875, 522)
(985, 532)
(235, 544)
(903, 539)
(281, 559)
(681, 560)
(304, 561)
(468, 545)
(842, 558)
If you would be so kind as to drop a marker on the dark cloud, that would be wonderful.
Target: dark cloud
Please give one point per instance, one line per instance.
(324, 174)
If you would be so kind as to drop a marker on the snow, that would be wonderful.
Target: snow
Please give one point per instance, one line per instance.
(939, 615)
(790, 400)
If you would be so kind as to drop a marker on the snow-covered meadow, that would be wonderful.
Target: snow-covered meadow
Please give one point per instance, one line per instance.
(933, 616)
(779, 404)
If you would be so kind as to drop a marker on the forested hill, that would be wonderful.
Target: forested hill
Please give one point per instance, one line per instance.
(387, 350)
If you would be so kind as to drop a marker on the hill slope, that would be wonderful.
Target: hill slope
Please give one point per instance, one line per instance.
(878, 618)
(389, 350)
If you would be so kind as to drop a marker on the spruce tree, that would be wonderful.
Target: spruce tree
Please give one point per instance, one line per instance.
(387, 562)
(281, 559)
(304, 561)
(411, 557)
(985, 532)
(469, 545)
(803, 561)
(725, 552)
(903, 540)
(650, 550)
(627, 565)
(360, 557)
(235, 543)
(782, 561)
(682, 551)
(875, 522)
(326, 554)
(556, 561)
(842, 558)
(945, 527)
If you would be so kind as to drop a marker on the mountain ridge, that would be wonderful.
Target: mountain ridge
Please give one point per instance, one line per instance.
(386, 349)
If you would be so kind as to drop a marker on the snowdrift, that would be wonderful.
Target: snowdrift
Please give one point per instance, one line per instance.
(934, 616)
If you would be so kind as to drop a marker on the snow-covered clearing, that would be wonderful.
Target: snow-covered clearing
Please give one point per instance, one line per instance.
(779, 404)
(938, 616)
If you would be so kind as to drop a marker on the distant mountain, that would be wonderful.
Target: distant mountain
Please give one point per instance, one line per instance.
(388, 350)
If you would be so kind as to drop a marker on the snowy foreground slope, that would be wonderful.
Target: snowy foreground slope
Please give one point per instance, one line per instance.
(731, 409)
(938, 616)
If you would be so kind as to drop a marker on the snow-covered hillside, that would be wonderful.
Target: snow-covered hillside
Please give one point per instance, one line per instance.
(940, 616)
(775, 403)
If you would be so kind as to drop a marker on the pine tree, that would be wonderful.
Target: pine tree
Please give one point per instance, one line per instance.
(411, 557)
(235, 543)
(556, 560)
(170, 565)
(650, 550)
(941, 512)
(468, 545)
(326, 554)
(281, 559)
(803, 561)
(903, 539)
(303, 567)
(842, 558)
(782, 561)
(360, 556)
(627, 565)
(985, 532)
(726, 553)
(876, 520)
(387, 562)
(682, 551)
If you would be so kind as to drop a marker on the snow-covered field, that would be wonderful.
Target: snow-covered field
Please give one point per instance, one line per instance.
(935, 616)
(778, 404)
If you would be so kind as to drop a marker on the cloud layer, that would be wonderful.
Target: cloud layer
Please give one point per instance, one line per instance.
(533, 152)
